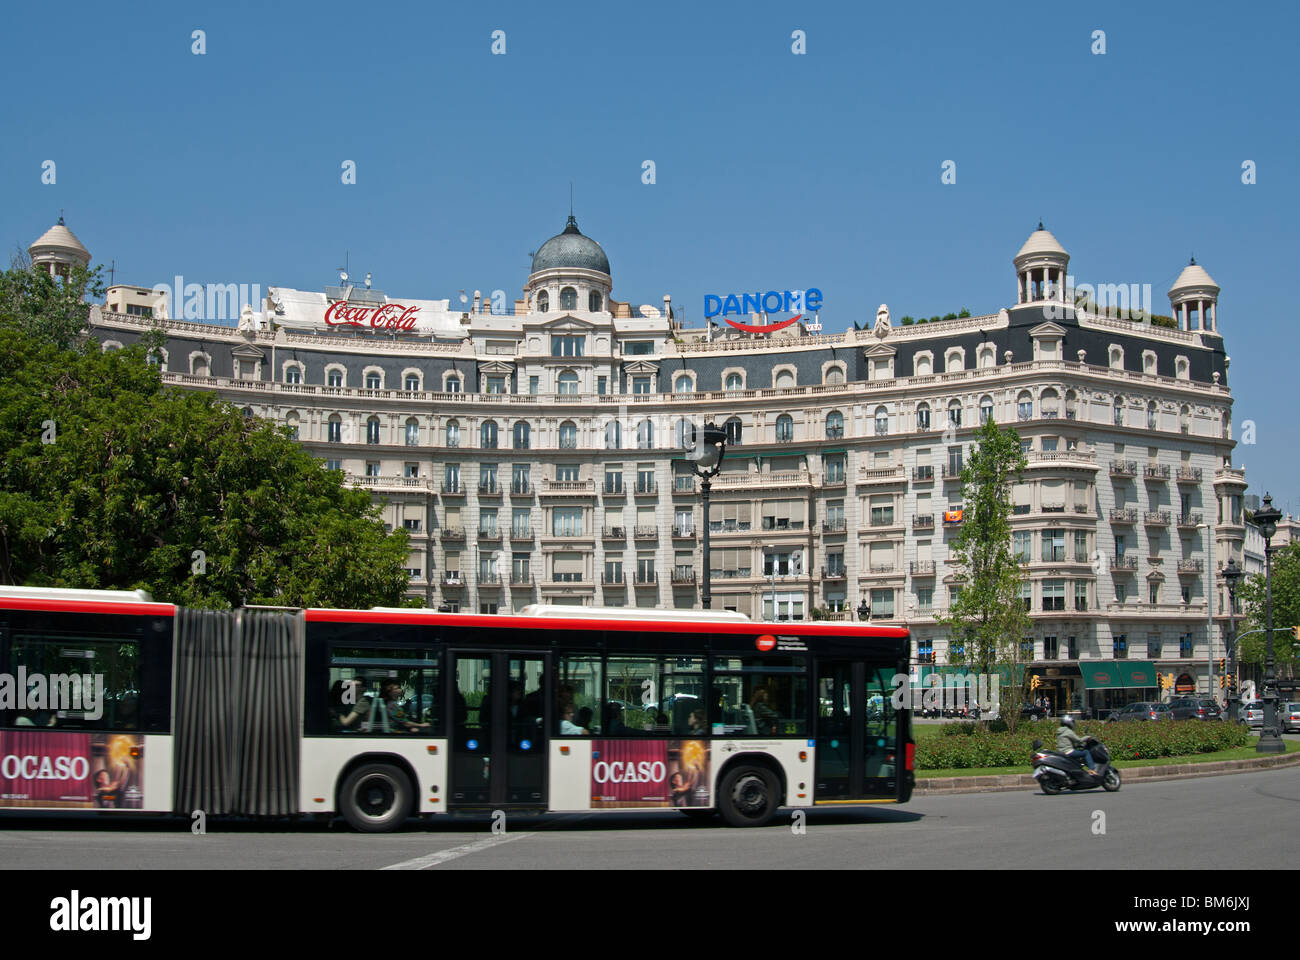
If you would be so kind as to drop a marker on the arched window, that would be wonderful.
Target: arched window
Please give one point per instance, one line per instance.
(1116, 358)
(954, 413)
(373, 380)
(1151, 415)
(487, 435)
(372, 430)
(734, 382)
(923, 416)
(1148, 362)
(1185, 419)
(645, 435)
(684, 383)
(1071, 405)
(882, 422)
(521, 434)
(685, 434)
(987, 358)
(568, 435)
(292, 375)
(986, 409)
(247, 411)
(1049, 404)
(293, 420)
(613, 435)
(335, 429)
(1024, 405)
(734, 429)
(834, 377)
(452, 383)
(784, 380)
(784, 428)
(568, 384)
(453, 433)
(334, 378)
(568, 299)
(412, 432)
(412, 382)
(593, 301)
(543, 301)
(924, 365)
(1180, 368)
(1119, 411)
(834, 425)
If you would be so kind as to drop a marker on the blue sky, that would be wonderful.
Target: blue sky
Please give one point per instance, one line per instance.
(772, 170)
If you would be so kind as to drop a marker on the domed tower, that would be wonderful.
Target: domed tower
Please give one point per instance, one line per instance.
(570, 272)
(58, 250)
(1040, 268)
(1194, 298)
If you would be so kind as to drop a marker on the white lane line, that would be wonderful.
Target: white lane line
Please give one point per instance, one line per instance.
(442, 856)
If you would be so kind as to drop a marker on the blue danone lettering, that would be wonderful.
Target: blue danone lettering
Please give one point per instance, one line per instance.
(773, 301)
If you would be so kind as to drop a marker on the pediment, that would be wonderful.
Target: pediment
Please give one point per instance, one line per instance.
(564, 324)
(246, 351)
(496, 366)
(1047, 330)
(880, 350)
(641, 366)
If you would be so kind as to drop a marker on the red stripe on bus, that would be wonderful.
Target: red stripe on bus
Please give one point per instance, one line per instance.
(88, 606)
(591, 623)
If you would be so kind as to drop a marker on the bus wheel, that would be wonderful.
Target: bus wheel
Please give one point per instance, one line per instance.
(748, 796)
(375, 798)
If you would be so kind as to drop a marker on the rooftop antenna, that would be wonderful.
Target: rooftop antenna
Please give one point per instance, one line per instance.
(570, 199)
(61, 223)
(343, 270)
(111, 270)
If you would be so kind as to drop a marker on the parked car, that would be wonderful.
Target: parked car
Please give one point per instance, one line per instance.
(1195, 708)
(1289, 717)
(1142, 710)
(1252, 713)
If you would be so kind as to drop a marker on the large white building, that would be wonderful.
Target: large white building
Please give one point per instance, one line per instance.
(534, 454)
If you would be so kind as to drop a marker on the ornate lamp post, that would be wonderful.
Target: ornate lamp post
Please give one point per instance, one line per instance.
(1231, 575)
(707, 461)
(1269, 741)
(863, 610)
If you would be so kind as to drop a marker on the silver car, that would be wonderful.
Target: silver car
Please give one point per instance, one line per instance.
(1253, 713)
(1288, 717)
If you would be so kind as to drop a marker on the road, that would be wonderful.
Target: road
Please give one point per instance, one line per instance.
(1184, 824)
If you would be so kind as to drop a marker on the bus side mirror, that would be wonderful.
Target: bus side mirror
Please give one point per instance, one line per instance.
(1037, 744)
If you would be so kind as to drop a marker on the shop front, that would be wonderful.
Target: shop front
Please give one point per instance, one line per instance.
(1112, 684)
(1058, 689)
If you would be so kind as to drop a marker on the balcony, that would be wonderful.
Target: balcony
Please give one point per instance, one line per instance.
(488, 488)
(646, 579)
(613, 579)
(520, 579)
(489, 579)
(833, 526)
(1156, 471)
(646, 488)
(453, 488)
(451, 578)
(520, 534)
(683, 485)
(730, 526)
(834, 433)
(923, 474)
(646, 533)
(880, 570)
(779, 478)
(521, 488)
(1078, 459)
(834, 480)
(833, 573)
(568, 488)
(922, 568)
(884, 520)
(1189, 520)
(684, 533)
(1123, 515)
(870, 475)
(453, 533)
(1156, 518)
(1124, 564)
(614, 533)
(923, 521)
(1189, 474)
(739, 573)
(614, 487)
(489, 533)
(952, 471)
(683, 576)
(1191, 566)
(1123, 468)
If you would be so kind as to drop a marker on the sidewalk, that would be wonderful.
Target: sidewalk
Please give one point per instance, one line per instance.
(1173, 771)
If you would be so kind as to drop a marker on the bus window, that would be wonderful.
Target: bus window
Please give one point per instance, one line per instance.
(579, 695)
(89, 684)
(654, 695)
(760, 696)
(882, 723)
(380, 692)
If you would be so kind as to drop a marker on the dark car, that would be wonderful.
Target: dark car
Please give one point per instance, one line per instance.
(1288, 717)
(1143, 710)
(1194, 708)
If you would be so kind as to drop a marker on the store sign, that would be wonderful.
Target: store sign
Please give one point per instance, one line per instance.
(389, 316)
(773, 301)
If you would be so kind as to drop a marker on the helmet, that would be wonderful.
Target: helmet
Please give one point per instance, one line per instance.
(1067, 721)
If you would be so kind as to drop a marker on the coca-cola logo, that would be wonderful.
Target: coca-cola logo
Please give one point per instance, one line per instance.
(390, 316)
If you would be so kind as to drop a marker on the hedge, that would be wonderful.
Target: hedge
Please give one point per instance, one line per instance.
(967, 745)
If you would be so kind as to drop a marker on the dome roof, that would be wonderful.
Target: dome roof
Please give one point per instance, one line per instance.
(62, 239)
(1193, 275)
(570, 249)
(1041, 241)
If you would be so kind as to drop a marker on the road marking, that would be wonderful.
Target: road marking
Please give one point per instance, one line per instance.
(442, 856)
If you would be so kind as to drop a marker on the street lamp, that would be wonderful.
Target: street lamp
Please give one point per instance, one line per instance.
(863, 610)
(1269, 741)
(706, 462)
(1209, 608)
(1232, 574)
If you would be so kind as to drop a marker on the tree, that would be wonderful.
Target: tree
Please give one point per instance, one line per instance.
(1286, 611)
(988, 614)
(111, 480)
(50, 308)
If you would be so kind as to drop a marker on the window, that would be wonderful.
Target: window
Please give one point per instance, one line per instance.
(602, 385)
(568, 435)
(379, 691)
(519, 478)
(293, 375)
(1053, 594)
(784, 380)
(566, 521)
(882, 511)
(372, 430)
(373, 380)
(638, 348)
(581, 695)
(641, 385)
(834, 377)
(882, 422)
(521, 523)
(568, 299)
(1185, 646)
(412, 432)
(954, 413)
(1119, 411)
(1153, 646)
(412, 382)
(834, 425)
(335, 429)
(986, 409)
(411, 470)
(488, 435)
(534, 385)
(613, 435)
(567, 345)
(1152, 419)
(372, 468)
(645, 479)
(1025, 591)
(453, 433)
(566, 472)
(1119, 647)
(835, 469)
(543, 301)
(593, 301)
(1051, 649)
(1081, 546)
(882, 604)
(567, 386)
(925, 601)
(784, 428)
(487, 477)
(334, 465)
(734, 381)
(645, 435)
(1053, 546)
(1081, 595)
(733, 430)
(760, 696)
(116, 660)
(614, 478)
(1024, 406)
(923, 416)
(954, 461)
(683, 383)
(1121, 593)
(487, 526)
(521, 434)
(613, 571)
(1153, 593)
(451, 478)
(334, 378)
(495, 384)
(685, 434)
(1022, 545)
(665, 696)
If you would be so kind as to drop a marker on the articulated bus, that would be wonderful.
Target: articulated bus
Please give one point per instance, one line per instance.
(112, 702)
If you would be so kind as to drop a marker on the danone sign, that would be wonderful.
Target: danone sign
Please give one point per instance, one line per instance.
(773, 301)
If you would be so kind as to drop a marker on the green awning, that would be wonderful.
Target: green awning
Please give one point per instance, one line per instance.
(1118, 674)
(836, 450)
(950, 671)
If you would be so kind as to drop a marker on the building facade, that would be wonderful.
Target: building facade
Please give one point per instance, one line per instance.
(534, 452)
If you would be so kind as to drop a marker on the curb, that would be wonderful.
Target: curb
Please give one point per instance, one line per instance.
(943, 786)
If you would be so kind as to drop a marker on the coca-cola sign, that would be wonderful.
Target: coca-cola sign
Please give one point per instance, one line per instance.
(389, 316)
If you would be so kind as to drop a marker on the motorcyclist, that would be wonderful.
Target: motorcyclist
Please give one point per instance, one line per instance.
(1072, 745)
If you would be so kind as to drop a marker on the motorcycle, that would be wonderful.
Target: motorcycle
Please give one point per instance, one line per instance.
(1056, 772)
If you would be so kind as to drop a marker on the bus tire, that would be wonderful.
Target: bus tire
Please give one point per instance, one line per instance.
(375, 798)
(749, 796)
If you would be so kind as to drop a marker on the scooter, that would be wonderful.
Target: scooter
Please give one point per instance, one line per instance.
(1056, 772)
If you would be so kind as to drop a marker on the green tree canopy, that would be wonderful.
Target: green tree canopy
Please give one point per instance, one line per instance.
(111, 480)
(1286, 610)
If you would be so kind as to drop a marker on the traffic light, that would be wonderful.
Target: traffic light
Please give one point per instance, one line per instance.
(1223, 665)
(1295, 633)
(1222, 681)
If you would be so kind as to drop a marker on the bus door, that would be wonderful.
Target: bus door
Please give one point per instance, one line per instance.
(501, 716)
(857, 731)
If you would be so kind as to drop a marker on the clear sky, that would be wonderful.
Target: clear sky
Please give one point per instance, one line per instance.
(772, 170)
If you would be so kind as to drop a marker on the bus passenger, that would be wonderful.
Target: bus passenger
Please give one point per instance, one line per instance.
(567, 727)
(585, 716)
(614, 726)
(764, 716)
(696, 725)
(349, 705)
(399, 718)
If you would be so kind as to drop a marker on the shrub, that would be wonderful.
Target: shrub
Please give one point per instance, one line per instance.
(963, 312)
(907, 321)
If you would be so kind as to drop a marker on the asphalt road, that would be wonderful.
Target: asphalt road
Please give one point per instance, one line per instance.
(1211, 822)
